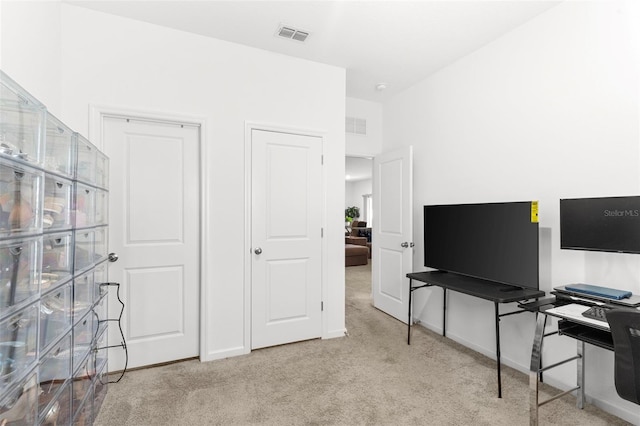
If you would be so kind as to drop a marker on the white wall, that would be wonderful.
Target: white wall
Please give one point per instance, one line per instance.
(548, 111)
(30, 48)
(354, 192)
(370, 144)
(111, 61)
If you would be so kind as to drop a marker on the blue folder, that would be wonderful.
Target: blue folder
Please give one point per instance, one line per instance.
(610, 293)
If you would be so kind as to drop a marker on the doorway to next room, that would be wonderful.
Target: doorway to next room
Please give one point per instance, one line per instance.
(359, 214)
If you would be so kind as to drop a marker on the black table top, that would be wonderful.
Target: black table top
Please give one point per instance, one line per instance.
(484, 289)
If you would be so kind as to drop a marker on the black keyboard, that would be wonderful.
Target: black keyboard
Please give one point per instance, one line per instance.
(597, 313)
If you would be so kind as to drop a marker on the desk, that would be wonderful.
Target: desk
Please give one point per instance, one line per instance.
(582, 331)
(483, 289)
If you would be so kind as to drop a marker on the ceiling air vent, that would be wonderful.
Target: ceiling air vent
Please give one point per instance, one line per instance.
(357, 126)
(292, 33)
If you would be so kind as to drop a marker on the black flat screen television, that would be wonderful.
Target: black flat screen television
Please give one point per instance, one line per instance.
(492, 241)
(600, 224)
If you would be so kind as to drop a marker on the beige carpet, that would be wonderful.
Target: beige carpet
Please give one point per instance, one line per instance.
(371, 377)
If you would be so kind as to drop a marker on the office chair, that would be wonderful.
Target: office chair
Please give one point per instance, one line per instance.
(625, 329)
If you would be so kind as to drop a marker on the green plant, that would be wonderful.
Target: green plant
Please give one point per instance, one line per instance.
(351, 213)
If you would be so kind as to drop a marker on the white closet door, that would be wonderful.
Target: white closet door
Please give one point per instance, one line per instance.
(154, 228)
(286, 222)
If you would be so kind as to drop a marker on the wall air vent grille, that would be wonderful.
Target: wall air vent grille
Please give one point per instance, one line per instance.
(356, 126)
(300, 36)
(292, 33)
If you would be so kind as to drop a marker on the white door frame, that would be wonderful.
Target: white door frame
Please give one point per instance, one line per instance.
(97, 114)
(249, 127)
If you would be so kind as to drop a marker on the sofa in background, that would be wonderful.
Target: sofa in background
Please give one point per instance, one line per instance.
(355, 254)
(357, 249)
(358, 234)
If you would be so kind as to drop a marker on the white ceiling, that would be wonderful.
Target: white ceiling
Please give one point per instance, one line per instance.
(394, 42)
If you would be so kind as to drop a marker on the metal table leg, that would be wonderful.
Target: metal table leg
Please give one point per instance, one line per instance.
(580, 376)
(534, 369)
(409, 319)
(444, 312)
(497, 319)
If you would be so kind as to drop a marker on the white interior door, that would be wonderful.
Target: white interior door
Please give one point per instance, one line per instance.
(154, 228)
(392, 239)
(286, 245)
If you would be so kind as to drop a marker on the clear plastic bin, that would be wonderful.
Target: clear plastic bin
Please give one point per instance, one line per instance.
(83, 383)
(55, 314)
(86, 160)
(57, 259)
(101, 349)
(102, 170)
(83, 210)
(100, 276)
(84, 249)
(19, 273)
(22, 123)
(100, 385)
(55, 369)
(100, 244)
(56, 207)
(100, 310)
(56, 409)
(82, 295)
(101, 207)
(84, 410)
(20, 199)
(20, 403)
(84, 334)
(60, 147)
(18, 344)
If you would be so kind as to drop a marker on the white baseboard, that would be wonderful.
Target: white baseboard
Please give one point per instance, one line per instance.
(335, 333)
(225, 353)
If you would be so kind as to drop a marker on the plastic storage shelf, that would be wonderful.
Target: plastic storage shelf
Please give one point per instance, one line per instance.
(53, 251)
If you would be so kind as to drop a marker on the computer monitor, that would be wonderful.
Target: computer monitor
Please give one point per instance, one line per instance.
(610, 224)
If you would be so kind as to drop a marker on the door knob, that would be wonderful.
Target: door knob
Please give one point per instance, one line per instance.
(404, 245)
(258, 251)
(113, 257)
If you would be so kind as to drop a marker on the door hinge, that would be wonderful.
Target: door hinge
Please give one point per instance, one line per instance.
(321, 232)
(322, 159)
(321, 306)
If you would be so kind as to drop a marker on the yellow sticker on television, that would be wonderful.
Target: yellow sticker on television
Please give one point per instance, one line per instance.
(534, 212)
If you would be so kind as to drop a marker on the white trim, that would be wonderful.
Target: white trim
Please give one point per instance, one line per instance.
(97, 114)
(332, 334)
(225, 353)
(249, 127)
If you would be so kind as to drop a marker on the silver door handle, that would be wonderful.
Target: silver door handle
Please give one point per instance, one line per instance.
(258, 251)
(404, 245)
(113, 257)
